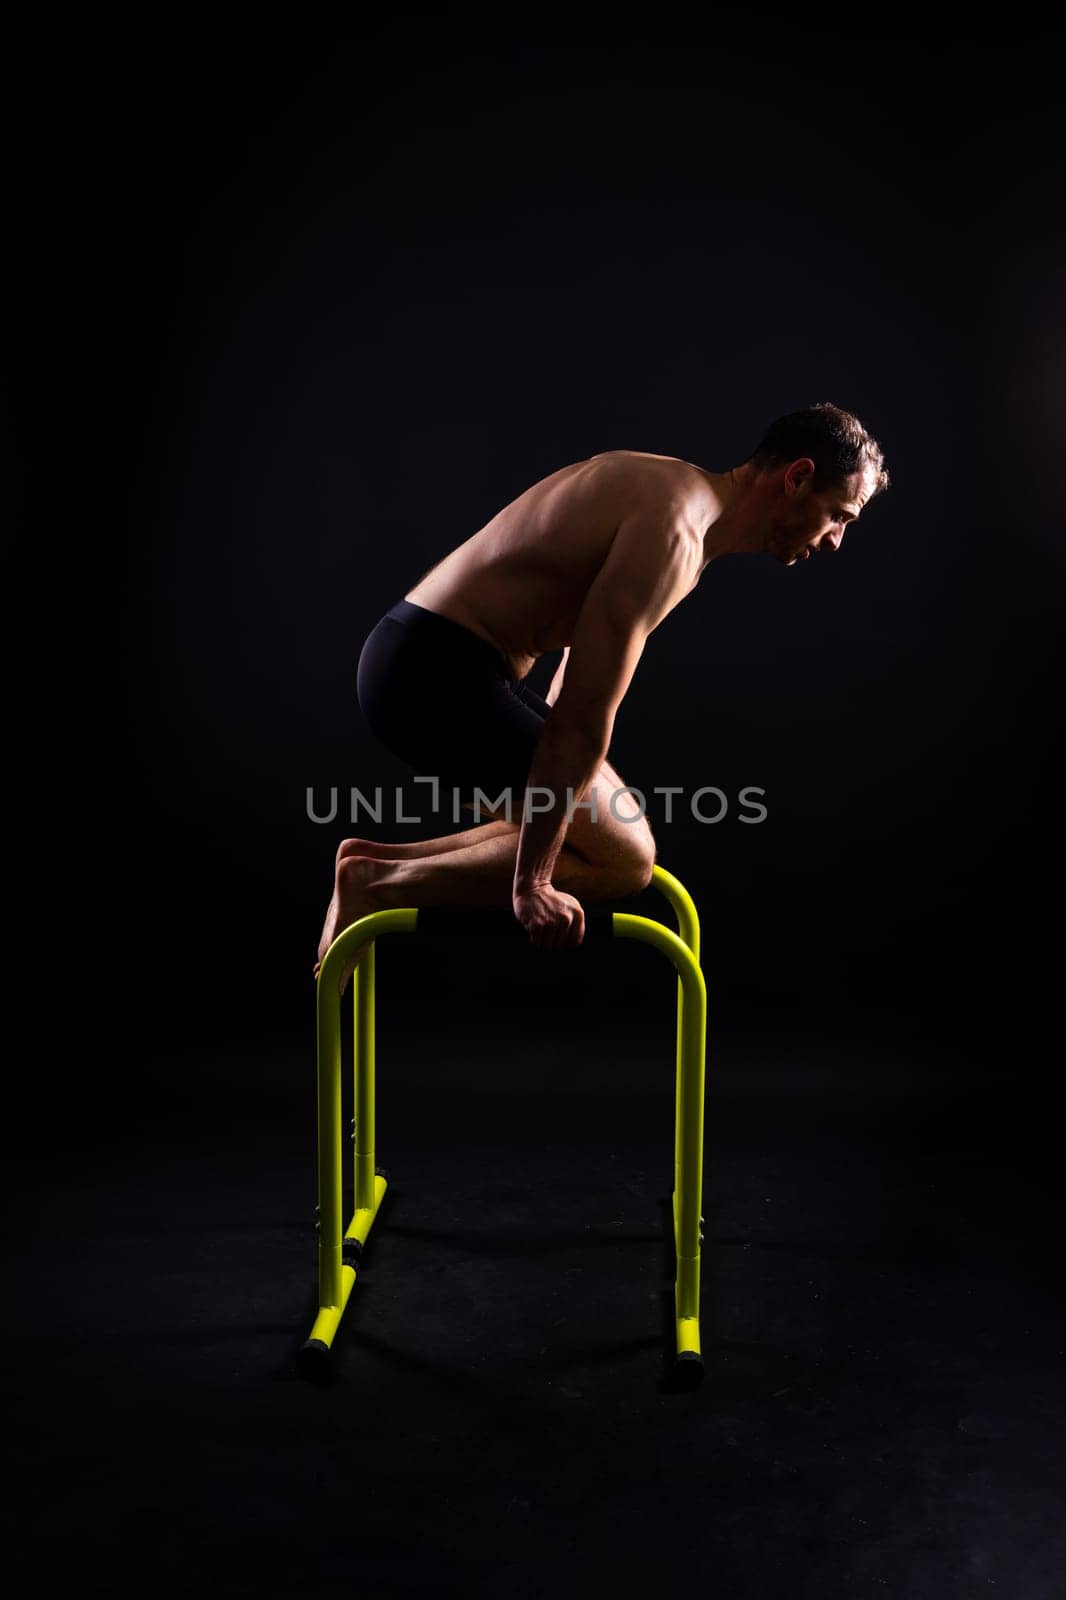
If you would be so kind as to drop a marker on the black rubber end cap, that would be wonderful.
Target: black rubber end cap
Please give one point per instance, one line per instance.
(313, 1358)
(688, 1369)
(351, 1254)
(382, 1172)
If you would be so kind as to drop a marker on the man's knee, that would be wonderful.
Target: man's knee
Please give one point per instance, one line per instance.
(612, 832)
(640, 856)
(630, 866)
(628, 809)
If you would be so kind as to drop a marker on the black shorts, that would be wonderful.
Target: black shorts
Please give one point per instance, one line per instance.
(444, 700)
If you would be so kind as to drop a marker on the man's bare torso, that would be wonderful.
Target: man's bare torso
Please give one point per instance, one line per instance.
(520, 581)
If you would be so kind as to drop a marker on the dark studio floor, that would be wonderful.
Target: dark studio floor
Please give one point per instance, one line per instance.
(883, 1402)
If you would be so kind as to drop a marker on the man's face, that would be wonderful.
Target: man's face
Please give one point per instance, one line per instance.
(804, 521)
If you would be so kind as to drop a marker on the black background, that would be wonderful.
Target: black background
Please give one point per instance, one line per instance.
(302, 303)
(314, 304)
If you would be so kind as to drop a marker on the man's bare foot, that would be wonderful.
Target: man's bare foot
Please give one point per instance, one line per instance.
(355, 894)
(374, 849)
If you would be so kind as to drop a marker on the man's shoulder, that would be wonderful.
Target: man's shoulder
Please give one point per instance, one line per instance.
(657, 481)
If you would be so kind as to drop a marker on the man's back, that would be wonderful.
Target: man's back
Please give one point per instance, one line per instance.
(520, 581)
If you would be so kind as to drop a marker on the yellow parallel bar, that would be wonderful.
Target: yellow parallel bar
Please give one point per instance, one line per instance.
(688, 1335)
(364, 1063)
(336, 1278)
(691, 1071)
(328, 1320)
(332, 1292)
(363, 1217)
(688, 924)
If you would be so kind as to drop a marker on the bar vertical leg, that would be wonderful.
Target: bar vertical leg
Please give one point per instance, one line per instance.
(339, 1251)
(370, 1184)
(688, 928)
(364, 1043)
(330, 1198)
(688, 1141)
(680, 1050)
(693, 1063)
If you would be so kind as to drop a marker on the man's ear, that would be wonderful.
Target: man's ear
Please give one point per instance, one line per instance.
(798, 473)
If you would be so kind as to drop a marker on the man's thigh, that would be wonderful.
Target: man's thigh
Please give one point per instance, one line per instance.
(441, 699)
(614, 826)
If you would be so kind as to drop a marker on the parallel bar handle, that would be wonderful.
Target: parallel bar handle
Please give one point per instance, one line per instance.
(501, 926)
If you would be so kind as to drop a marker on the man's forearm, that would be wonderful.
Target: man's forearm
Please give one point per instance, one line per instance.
(565, 762)
(557, 681)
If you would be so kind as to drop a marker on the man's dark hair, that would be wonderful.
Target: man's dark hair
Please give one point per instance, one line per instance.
(835, 441)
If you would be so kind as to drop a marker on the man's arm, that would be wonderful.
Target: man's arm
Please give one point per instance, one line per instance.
(652, 563)
(557, 681)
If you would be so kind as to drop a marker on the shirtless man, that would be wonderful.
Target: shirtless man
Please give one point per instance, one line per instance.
(588, 561)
